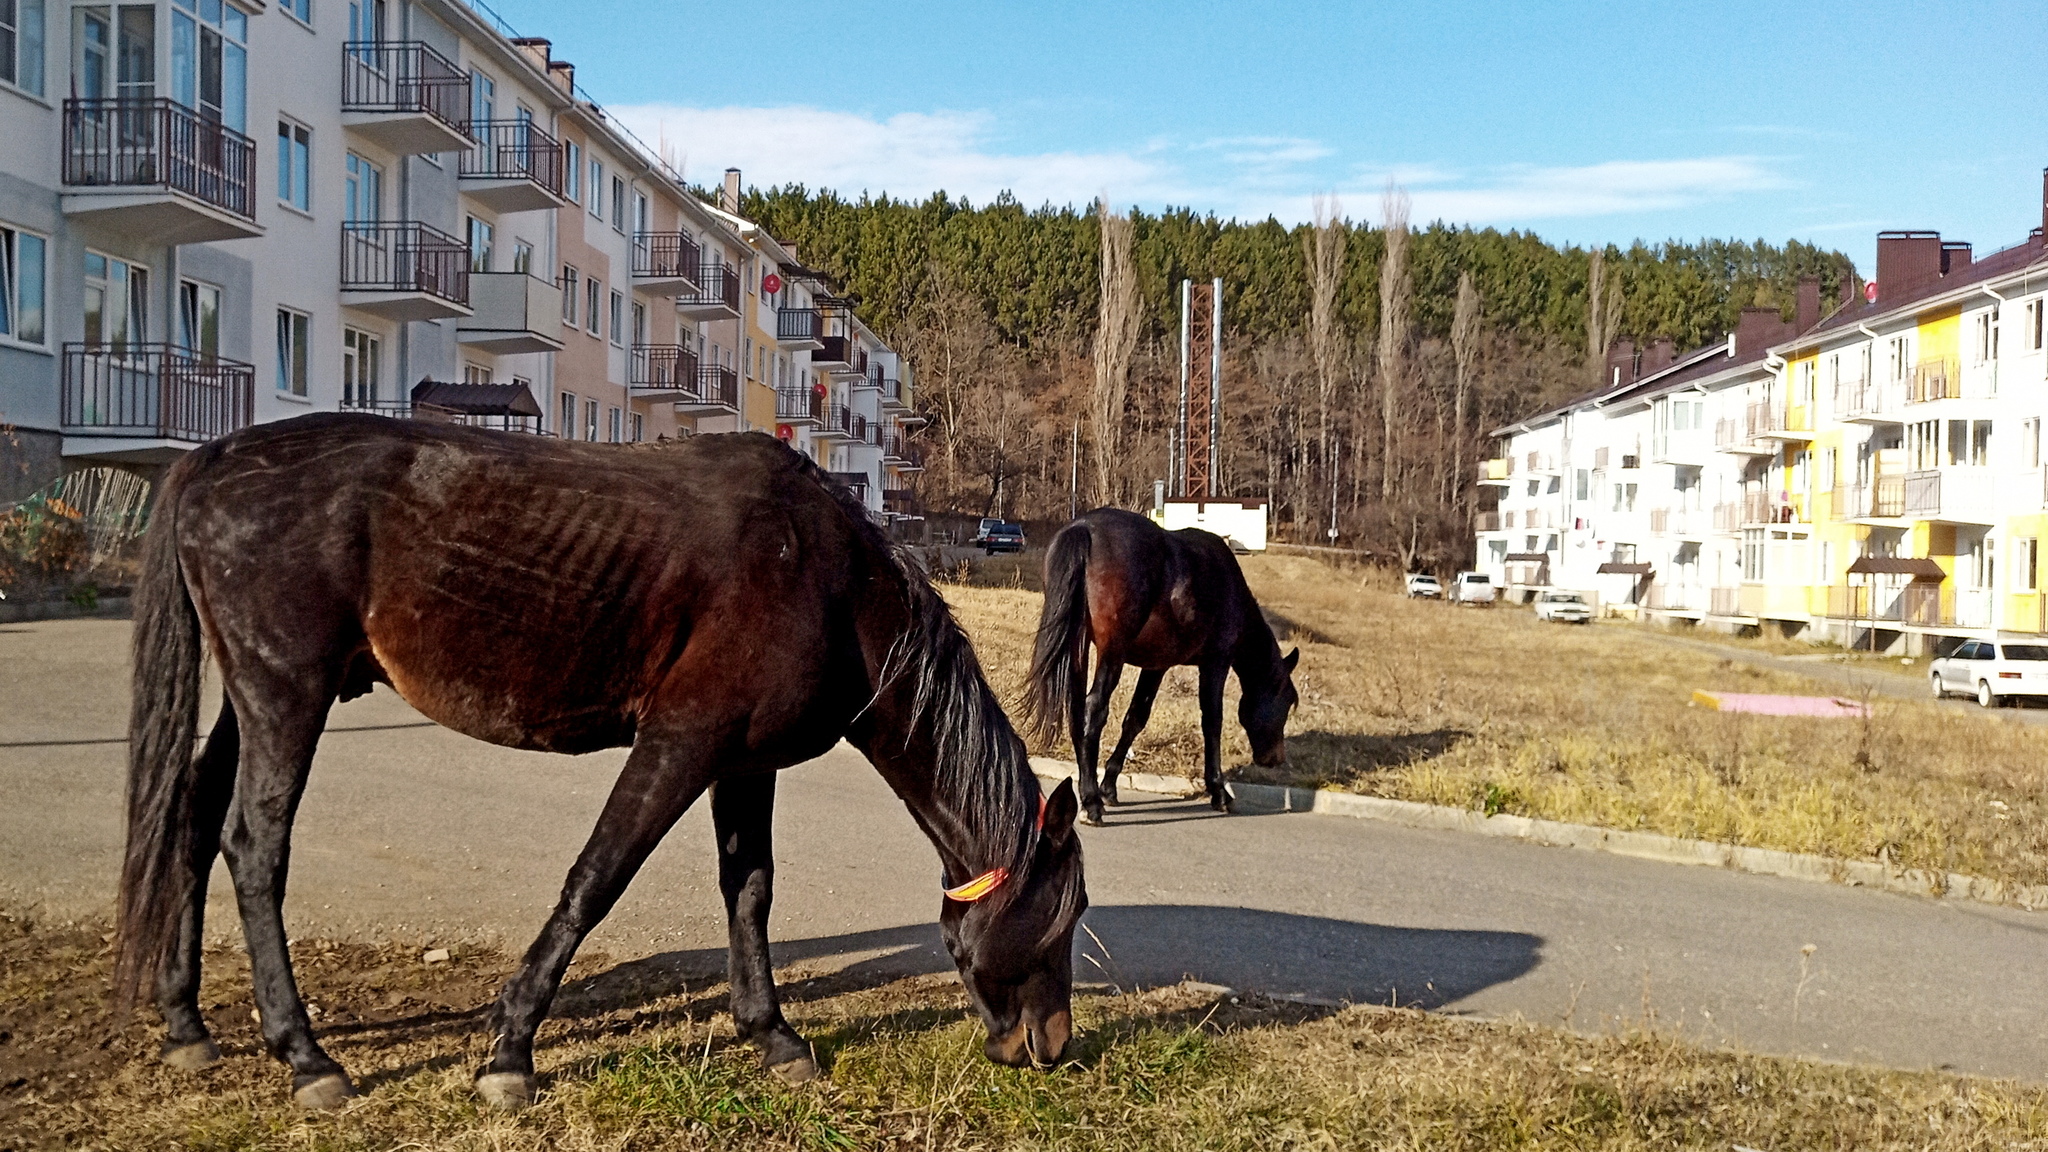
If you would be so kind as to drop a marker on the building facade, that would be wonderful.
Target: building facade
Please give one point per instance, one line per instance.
(214, 214)
(1871, 477)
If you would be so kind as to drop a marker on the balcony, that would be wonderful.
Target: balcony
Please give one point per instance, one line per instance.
(666, 263)
(1540, 462)
(1727, 519)
(512, 312)
(141, 401)
(841, 355)
(405, 97)
(842, 423)
(515, 166)
(1768, 421)
(901, 455)
(1495, 471)
(662, 372)
(799, 406)
(1724, 602)
(1935, 379)
(1682, 599)
(1768, 508)
(1486, 522)
(1869, 402)
(856, 482)
(157, 170)
(797, 329)
(1951, 496)
(717, 296)
(717, 393)
(1681, 522)
(890, 388)
(901, 502)
(404, 270)
(1883, 498)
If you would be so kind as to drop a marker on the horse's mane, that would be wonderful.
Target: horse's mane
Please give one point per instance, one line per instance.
(982, 775)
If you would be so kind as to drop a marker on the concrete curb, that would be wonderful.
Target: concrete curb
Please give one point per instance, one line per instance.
(1270, 798)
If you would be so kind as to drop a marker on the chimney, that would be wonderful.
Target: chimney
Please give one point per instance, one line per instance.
(535, 49)
(729, 196)
(1621, 363)
(1758, 329)
(1660, 356)
(1955, 256)
(1905, 259)
(563, 74)
(1807, 313)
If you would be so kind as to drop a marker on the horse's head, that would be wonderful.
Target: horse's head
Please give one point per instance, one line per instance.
(1016, 956)
(1263, 711)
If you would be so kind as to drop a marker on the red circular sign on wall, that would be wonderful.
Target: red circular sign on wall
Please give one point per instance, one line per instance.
(1870, 292)
(771, 283)
(785, 432)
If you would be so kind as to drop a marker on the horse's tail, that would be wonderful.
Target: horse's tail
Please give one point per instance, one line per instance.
(163, 774)
(1057, 657)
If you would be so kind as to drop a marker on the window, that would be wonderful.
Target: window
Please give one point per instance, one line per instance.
(366, 20)
(1901, 364)
(199, 318)
(639, 323)
(567, 426)
(481, 236)
(638, 427)
(590, 420)
(22, 277)
(362, 190)
(572, 171)
(116, 302)
(483, 97)
(362, 365)
(2032, 332)
(2030, 443)
(593, 296)
(747, 362)
(1583, 485)
(303, 9)
(522, 257)
(569, 295)
(640, 212)
(21, 44)
(618, 318)
(615, 425)
(294, 334)
(1986, 343)
(2026, 560)
(473, 373)
(294, 165)
(597, 188)
(1804, 384)
(618, 204)
(1980, 443)
(1752, 554)
(210, 59)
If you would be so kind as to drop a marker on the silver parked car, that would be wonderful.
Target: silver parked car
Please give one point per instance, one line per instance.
(1563, 607)
(1992, 671)
(1473, 588)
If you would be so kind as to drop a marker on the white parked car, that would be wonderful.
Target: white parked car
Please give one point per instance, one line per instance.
(1424, 586)
(1563, 607)
(1991, 671)
(1473, 588)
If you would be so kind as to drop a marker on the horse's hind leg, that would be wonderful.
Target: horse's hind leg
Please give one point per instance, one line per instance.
(661, 779)
(187, 1044)
(1213, 675)
(281, 719)
(1135, 719)
(1088, 749)
(742, 813)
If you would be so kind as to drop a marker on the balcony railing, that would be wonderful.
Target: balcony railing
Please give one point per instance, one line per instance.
(1860, 399)
(404, 256)
(661, 368)
(514, 150)
(159, 142)
(1727, 518)
(666, 256)
(796, 324)
(404, 76)
(889, 386)
(1935, 379)
(1676, 597)
(718, 287)
(798, 405)
(405, 410)
(844, 423)
(1767, 508)
(155, 391)
(1725, 602)
(857, 481)
(1486, 522)
(1881, 498)
(720, 386)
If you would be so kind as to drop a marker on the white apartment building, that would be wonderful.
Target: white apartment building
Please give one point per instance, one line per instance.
(1872, 477)
(215, 213)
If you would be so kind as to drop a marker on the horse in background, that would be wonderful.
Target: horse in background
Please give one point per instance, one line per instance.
(1142, 595)
(720, 606)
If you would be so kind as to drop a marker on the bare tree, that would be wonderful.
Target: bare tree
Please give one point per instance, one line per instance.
(1603, 315)
(1465, 354)
(1116, 338)
(951, 346)
(1395, 293)
(1325, 251)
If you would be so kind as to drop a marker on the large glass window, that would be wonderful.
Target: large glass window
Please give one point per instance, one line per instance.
(362, 191)
(566, 424)
(481, 236)
(597, 188)
(362, 366)
(303, 9)
(593, 298)
(366, 19)
(295, 165)
(569, 295)
(294, 335)
(572, 171)
(199, 317)
(483, 97)
(116, 302)
(21, 44)
(210, 60)
(618, 318)
(22, 280)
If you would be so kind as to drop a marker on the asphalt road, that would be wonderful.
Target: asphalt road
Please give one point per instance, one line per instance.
(414, 833)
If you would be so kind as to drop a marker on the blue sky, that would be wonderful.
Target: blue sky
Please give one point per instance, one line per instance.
(1584, 123)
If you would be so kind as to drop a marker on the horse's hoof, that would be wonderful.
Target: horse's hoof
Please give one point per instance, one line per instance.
(324, 1093)
(1092, 816)
(191, 1057)
(507, 1091)
(798, 1071)
(1224, 804)
(1109, 796)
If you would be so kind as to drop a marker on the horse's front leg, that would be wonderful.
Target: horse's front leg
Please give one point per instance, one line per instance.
(1135, 719)
(1213, 674)
(742, 814)
(664, 774)
(1088, 749)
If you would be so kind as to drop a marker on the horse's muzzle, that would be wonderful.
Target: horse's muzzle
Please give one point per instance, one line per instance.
(1034, 1044)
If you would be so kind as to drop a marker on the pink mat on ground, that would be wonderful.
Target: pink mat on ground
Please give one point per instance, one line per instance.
(1764, 704)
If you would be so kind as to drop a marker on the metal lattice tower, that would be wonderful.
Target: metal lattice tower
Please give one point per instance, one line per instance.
(1197, 463)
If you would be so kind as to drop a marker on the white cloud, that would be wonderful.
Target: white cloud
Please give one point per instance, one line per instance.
(912, 154)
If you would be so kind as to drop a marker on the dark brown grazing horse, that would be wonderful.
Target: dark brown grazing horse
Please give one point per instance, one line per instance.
(719, 605)
(1145, 596)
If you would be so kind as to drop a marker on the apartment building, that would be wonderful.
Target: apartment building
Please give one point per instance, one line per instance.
(215, 214)
(1871, 477)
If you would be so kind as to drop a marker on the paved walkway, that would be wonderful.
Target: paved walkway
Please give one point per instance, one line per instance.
(413, 832)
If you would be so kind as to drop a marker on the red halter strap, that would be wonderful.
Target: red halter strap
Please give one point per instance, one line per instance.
(992, 879)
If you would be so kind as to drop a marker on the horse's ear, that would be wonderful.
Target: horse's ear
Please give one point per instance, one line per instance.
(1292, 659)
(1060, 809)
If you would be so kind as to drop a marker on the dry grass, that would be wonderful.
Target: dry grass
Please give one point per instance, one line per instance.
(1494, 711)
(642, 1058)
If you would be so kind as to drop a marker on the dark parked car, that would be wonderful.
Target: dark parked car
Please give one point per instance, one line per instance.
(999, 536)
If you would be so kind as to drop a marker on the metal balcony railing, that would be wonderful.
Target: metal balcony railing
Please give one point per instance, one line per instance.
(1935, 379)
(514, 150)
(889, 386)
(157, 391)
(1725, 602)
(857, 481)
(798, 404)
(403, 76)
(661, 368)
(159, 142)
(666, 256)
(404, 256)
(718, 283)
(718, 386)
(796, 324)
